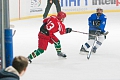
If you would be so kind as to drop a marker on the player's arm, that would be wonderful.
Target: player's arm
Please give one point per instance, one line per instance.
(90, 21)
(102, 24)
(43, 29)
(63, 30)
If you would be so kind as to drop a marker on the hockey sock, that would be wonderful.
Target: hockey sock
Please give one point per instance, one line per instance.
(87, 45)
(36, 53)
(98, 44)
(58, 46)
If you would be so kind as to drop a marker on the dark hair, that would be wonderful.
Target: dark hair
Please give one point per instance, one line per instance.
(20, 63)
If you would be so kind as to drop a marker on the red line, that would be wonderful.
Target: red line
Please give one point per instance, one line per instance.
(19, 10)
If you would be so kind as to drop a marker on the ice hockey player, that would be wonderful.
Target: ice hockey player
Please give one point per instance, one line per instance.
(46, 35)
(97, 23)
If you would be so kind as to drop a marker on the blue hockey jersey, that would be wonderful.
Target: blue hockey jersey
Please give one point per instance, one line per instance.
(97, 22)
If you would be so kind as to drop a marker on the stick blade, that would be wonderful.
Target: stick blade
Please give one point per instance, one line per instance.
(88, 57)
(106, 33)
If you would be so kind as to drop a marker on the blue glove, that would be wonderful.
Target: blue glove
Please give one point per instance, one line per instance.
(98, 32)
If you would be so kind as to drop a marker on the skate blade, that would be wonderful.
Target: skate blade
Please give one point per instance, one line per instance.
(29, 62)
(60, 57)
(83, 53)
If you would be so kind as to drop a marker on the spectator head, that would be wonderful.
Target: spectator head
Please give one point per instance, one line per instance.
(20, 63)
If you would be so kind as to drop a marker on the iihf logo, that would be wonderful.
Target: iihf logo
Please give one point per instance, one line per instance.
(35, 3)
(35, 6)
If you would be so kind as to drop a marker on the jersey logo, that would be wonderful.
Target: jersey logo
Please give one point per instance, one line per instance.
(96, 23)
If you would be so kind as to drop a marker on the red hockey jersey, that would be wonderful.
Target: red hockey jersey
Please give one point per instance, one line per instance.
(54, 25)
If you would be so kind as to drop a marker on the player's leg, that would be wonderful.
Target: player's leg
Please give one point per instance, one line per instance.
(57, 45)
(98, 43)
(42, 45)
(47, 9)
(58, 49)
(89, 43)
(57, 4)
(35, 54)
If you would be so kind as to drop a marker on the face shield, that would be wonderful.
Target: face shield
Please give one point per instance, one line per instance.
(99, 11)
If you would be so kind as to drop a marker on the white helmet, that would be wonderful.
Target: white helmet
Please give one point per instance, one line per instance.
(99, 9)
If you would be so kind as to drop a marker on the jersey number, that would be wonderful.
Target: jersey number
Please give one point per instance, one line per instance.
(96, 23)
(50, 25)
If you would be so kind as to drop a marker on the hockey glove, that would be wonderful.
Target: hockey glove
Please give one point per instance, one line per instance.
(68, 30)
(98, 32)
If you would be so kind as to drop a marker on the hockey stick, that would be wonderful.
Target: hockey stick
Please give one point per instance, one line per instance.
(89, 54)
(54, 41)
(12, 26)
(79, 32)
(89, 34)
(14, 32)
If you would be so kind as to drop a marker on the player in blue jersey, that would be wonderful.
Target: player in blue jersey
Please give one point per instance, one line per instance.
(97, 23)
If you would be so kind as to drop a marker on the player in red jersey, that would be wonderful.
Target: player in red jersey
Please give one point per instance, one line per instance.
(46, 35)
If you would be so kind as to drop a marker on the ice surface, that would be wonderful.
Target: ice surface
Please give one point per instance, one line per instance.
(104, 65)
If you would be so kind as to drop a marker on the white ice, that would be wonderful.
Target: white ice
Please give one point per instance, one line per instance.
(103, 65)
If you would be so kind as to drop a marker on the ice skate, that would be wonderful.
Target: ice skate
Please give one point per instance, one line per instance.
(94, 50)
(60, 54)
(30, 61)
(83, 51)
